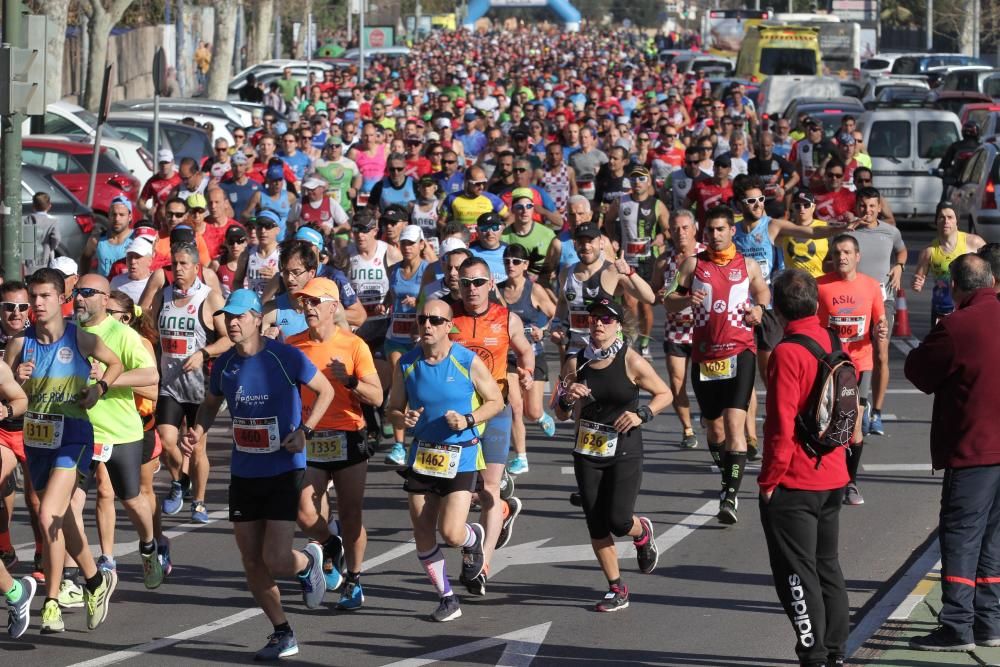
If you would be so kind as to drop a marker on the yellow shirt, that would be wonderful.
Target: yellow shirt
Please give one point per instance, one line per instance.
(806, 254)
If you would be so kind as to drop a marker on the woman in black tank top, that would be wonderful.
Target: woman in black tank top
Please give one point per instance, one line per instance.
(600, 390)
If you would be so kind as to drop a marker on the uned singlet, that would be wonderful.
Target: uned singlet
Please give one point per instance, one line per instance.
(488, 336)
(370, 278)
(255, 263)
(579, 294)
(719, 328)
(182, 333)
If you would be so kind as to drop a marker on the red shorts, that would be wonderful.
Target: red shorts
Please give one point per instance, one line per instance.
(14, 441)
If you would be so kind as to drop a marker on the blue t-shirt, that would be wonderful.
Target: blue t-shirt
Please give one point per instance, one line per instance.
(287, 318)
(261, 387)
(299, 163)
(348, 297)
(493, 258)
(240, 195)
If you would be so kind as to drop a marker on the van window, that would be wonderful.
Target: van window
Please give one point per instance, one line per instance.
(980, 117)
(991, 86)
(59, 162)
(934, 137)
(906, 66)
(787, 61)
(875, 63)
(889, 138)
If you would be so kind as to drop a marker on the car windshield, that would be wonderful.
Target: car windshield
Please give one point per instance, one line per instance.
(91, 121)
(889, 138)
(787, 61)
(934, 137)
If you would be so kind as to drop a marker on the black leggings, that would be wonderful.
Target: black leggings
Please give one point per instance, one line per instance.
(608, 492)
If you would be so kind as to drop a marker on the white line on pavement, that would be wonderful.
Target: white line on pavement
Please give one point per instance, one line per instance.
(896, 467)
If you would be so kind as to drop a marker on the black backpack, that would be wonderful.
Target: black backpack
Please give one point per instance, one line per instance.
(833, 410)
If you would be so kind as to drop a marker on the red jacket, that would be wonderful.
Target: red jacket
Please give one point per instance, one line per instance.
(957, 362)
(791, 373)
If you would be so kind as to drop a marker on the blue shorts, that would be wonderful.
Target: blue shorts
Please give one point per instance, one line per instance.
(41, 462)
(401, 346)
(496, 437)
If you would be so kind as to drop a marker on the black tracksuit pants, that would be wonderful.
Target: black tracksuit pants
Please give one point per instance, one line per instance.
(802, 529)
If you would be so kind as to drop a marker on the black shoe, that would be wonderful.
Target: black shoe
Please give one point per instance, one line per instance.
(507, 529)
(506, 485)
(575, 499)
(615, 599)
(476, 586)
(448, 609)
(647, 555)
(753, 453)
(473, 561)
(991, 642)
(835, 661)
(941, 639)
(727, 511)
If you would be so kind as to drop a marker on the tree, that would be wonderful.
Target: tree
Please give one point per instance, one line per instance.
(263, 19)
(57, 11)
(220, 71)
(103, 15)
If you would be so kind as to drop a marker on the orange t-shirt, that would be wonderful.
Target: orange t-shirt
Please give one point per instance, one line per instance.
(344, 413)
(161, 252)
(487, 336)
(851, 308)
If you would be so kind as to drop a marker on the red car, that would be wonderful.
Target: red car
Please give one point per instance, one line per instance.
(71, 163)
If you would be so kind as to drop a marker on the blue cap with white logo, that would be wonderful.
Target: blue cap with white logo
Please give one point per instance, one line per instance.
(240, 301)
(311, 235)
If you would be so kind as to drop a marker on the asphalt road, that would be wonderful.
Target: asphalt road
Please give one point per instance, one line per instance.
(710, 602)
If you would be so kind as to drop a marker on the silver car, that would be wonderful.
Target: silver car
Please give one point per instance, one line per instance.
(71, 221)
(975, 194)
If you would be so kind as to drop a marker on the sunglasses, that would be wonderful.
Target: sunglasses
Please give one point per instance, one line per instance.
(520, 170)
(523, 207)
(494, 227)
(691, 163)
(267, 225)
(87, 292)
(514, 261)
(835, 174)
(475, 282)
(239, 136)
(362, 230)
(641, 179)
(11, 306)
(450, 161)
(314, 301)
(750, 201)
(668, 137)
(603, 319)
(118, 313)
(236, 241)
(176, 214)
(477, 184)
(862, 180)
(435, 320)
(801, 204)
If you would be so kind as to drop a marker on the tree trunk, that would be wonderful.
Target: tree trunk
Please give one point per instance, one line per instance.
(220, 71)
(99, 29)
(55, 10)
(263, 20)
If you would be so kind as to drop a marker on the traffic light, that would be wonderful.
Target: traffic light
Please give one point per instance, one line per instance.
(22, 71)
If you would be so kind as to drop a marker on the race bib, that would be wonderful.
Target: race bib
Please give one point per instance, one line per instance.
(326, 447)
(176, 344)
(403, 325)
(363, 199)
(718, 369)
(593, 439)
(102, 452)
(43, 430)
(849, 328)
(256, 435)
(334, 194)
(434, 243)
(638, 249)
(579, 319)
(885, 294)
(586, 188)
(437, 460)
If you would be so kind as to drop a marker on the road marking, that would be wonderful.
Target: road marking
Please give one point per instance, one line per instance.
(917, 596)
(895, 596)
(127, 654)
(897, 467)
(391, 554)
(520, 648)
(567, 470)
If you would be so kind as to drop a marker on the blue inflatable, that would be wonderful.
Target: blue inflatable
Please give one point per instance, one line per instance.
(567, 12)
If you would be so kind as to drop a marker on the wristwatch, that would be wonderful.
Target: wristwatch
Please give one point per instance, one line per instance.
(470, 421)
(306, 431)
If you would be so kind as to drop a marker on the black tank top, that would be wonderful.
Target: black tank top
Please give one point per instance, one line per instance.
(612, 393)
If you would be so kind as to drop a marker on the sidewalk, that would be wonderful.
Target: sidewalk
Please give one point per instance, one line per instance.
(916, 615)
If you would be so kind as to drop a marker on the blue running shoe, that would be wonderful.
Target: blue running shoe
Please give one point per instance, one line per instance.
(547, 424)
(174, 501)
(331, 571)
(517, 466)
(876, 424)
(397, 455)
(199, 513)
(163, 551)
(106, 564)
(313, 582)
(279, 645)
(352, 598)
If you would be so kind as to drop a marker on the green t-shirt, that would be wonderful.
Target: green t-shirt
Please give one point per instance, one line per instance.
(339, 177)
(115, 418)
(536, 242)
(288, 88)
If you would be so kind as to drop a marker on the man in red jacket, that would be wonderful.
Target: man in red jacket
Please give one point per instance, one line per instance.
(799, 500)
(957, 363)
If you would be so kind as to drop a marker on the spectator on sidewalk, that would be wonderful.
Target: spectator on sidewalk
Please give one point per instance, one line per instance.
(957, 363)
(800, 499)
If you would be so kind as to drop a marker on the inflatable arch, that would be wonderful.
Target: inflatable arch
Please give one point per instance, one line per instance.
(567, 12)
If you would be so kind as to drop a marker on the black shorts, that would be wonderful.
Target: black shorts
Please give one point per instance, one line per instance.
(171, 412)
(149, 446)
(672, 349)
(373, 332)
(769, 332)
(423, 484)
(718, 395)
(123, 470)
(265, 498)
(541, 368)
(358, 451)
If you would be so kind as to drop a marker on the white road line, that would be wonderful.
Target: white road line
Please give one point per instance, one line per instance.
(391, 554)
(897, 467)
(567, 470)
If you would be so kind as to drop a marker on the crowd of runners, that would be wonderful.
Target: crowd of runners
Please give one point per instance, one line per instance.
(394, 272)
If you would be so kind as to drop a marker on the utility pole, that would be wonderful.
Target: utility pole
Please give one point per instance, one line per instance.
(13, 37)
(361, 42)
(930, 25)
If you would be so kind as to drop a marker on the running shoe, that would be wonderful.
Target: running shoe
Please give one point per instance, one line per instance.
(313, 582)
(163, 552)
(506, 485)
(335, 550)
(875, 428)
(19, 612)
(727, 511)
(753, 453)
(852, 496)
(517, 466)
(547, 424)
(575, 499)
(152, 570)
(98, 602)
(106, 564)
(279, 645)
(690, 440)
(835, 661)
(396, 455)
(70, 595)
(941, 639)
(352, 597)
(387, 429)
(52, 618)
(992, 642)
(615, 599)
(866, 420)
(372, 438)
(473, 561)
(644, 351)
(646, 552)
(514, 506)
(476, 586)
(447, 610)
(186, 485)
(199, 513)
(8, 558)
(174, 501)
(38, 568)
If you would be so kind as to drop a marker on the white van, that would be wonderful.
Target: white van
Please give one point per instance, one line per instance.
(906, 146)
(778, 90)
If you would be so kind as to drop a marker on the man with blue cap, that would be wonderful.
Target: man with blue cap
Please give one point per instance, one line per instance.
(261, 379)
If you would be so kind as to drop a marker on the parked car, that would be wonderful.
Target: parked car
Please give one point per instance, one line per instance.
(67, 118)
(196, 105)
(222, 127)
(778, 91)
(896, 97)
(830, 112)
(922, 63)
(875, 86)
(878, 65)
(71, 162)
(183, 140)
(380, 52)
(978, 80)
(298, 67)
(955, 100)
(689, 63)
(906, 146)
(74, 222)
(975, 193)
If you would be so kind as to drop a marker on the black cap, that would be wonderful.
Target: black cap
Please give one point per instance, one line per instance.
(489, 218)
(182, 234)
(394, 213)
(235, 233)
(608, 305)
(723, 160)
(587, 230)
(804, 197)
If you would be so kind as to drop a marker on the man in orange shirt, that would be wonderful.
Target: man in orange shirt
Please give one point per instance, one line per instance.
(178, 220)
(851, 304)
(336, 450)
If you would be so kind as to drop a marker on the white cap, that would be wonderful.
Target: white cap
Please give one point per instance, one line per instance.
(141, 245)
(433, 136)
(64, 265)
(352, 105)
(165, 155)
(451, 243)
(442, 123)
(412, 233)
(312, 183)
